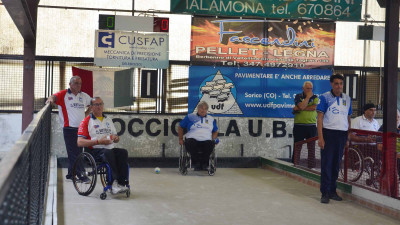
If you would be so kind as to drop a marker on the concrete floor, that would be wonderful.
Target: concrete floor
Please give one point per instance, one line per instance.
(232, 196)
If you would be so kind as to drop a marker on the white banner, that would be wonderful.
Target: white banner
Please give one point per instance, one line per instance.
(128, 49)
(144, 136)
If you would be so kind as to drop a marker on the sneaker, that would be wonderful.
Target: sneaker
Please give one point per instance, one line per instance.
(68, 177)
(122, 187)
(335, 196)
(325, 199)
(84, 180)
(115, 188)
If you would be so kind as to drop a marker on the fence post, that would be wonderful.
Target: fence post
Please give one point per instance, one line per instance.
(388, 178)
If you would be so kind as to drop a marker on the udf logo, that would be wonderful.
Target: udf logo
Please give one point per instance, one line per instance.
(106, 40)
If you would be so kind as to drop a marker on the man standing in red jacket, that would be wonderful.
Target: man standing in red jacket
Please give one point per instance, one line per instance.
(71, 110)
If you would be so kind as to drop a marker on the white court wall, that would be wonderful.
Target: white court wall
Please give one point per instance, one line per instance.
(145, 140)
(144, 136)
(10, 127)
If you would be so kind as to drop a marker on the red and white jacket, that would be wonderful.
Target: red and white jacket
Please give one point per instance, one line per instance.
(93, 129)
(71, 108)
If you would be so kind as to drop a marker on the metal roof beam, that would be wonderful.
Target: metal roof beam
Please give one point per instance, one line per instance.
(24, 14)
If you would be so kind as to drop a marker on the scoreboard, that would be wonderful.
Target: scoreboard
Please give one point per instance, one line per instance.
(133, 23)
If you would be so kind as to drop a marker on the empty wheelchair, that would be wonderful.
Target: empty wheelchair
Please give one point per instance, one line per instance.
(85, 172)
(185, 162)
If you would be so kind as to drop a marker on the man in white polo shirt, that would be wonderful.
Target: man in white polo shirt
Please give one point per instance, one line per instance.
(71, 110)
(334, 120)
(367, 120)
(97, 132)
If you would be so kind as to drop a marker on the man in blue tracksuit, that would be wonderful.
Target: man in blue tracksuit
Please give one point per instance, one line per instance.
(334, 114)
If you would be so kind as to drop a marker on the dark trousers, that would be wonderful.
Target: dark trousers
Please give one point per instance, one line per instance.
(70, 139)
(331, 156)
(199, 150)
(117, 159)
(303, 132)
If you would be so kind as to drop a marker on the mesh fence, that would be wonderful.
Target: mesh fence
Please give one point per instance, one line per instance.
(368, 89)
(22, 191)
(307, 155)
(53, 75)
(362, 163)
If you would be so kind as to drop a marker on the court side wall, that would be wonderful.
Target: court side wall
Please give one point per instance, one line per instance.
(145, 135)
(10, 127)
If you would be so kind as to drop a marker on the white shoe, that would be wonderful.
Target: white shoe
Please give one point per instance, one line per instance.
(122, 187)
(115, 188)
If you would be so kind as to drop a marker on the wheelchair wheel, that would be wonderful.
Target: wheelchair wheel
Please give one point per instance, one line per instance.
(183, 165)
(103, 175)
(375, 174)
(84, 174)
(103, 196)
(128, 193)
(368, 168)
(212, 164)
(354, 165)
(183, 162)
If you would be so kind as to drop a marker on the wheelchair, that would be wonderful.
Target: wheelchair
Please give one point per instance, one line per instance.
(363, 159)
(355, 164)
(185, 162)
(86, 166)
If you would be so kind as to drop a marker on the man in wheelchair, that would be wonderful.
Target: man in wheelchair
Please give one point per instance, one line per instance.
(97, 132)
(202, 130)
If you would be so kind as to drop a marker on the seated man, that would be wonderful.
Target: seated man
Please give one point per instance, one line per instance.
(202, 130)
(97, 132)
(367, 122)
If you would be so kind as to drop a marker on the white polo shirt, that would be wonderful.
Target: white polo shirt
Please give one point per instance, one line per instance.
(336, 110)
(363, 123)
(71, 108)
(93, 129)
(199, 128)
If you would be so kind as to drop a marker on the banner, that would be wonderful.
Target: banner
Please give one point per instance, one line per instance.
(345, 10)
(128, 49)
(251, 92)
(144, 134)
(249, 43)
(114, 87)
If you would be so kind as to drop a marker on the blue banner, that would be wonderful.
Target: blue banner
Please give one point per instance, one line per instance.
(252, 92)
